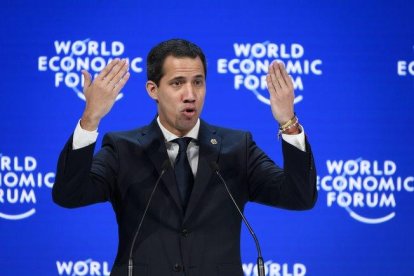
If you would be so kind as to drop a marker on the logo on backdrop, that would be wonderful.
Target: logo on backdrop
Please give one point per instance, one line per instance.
(91, 267)
(405, 67)
(251, 61)
(82, 268)
(71, 57)
(366, 189)
(276, 269)
(20, 179)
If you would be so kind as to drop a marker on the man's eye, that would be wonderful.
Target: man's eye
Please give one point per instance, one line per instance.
(198, 82)
(176, 83)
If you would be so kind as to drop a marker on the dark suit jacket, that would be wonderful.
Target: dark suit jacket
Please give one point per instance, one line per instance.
(205, 240)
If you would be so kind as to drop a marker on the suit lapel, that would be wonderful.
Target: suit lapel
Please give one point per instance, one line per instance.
(209, 148)
(152, 140)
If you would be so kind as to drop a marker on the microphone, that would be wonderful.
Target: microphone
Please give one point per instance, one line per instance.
(166, 165)
(260, 263)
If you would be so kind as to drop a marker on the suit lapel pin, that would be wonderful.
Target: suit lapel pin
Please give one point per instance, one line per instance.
(213, 141)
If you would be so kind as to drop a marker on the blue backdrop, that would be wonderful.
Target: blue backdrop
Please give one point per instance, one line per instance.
(353, 67)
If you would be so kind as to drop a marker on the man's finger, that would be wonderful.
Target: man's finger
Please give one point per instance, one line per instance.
(121, 73)
(88, 79)
(273, 77)
(118, 87)
(104, 73)
(279, 74)
(287, 78)
(270, 86)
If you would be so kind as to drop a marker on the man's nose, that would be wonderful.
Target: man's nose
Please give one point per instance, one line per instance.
(189, 93)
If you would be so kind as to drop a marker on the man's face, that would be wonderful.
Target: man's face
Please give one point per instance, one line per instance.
(180, 93)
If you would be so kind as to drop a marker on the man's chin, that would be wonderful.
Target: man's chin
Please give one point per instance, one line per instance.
(187, 124)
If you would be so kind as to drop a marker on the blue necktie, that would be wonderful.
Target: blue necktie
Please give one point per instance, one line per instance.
(183, 173)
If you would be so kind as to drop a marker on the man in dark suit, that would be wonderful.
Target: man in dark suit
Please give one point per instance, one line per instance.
(192, 227)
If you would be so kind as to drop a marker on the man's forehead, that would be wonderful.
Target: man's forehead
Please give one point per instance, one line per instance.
(183, 66)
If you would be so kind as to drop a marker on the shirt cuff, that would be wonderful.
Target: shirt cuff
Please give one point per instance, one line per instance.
(296, 140)
(83, 138)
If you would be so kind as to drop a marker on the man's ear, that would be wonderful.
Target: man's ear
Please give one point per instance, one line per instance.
(152, 90)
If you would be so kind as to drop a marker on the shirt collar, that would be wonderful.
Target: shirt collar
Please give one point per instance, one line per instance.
(193, 133)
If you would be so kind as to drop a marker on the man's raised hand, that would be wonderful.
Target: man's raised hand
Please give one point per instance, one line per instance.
(100, 94)
(280, 87)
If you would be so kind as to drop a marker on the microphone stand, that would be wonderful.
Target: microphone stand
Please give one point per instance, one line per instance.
(260, 263)
(165, 166)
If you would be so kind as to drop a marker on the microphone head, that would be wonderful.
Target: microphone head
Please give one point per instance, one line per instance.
(166, 165)
(214, 166)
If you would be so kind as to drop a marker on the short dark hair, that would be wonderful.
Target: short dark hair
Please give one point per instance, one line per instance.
(179, 48)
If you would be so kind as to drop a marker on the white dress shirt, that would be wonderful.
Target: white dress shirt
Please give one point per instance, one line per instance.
(192, 149)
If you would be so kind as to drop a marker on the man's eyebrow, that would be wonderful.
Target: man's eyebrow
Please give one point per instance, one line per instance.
(179, 78)
(182, 78)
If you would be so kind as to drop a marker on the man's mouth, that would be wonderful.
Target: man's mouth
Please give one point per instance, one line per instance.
(189, 111)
